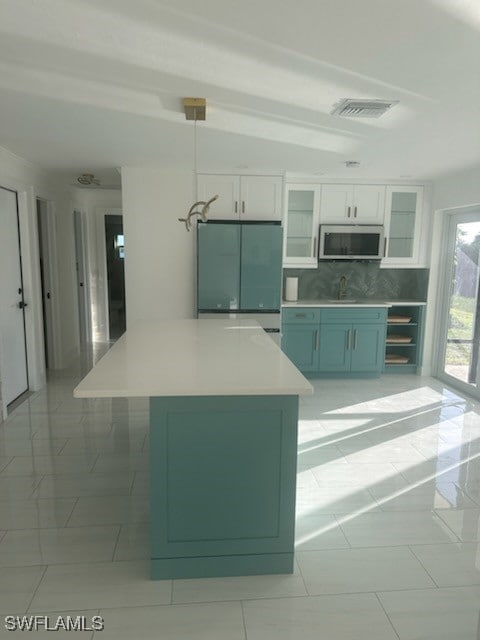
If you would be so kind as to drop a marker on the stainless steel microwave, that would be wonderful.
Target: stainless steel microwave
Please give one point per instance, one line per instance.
(351, 242)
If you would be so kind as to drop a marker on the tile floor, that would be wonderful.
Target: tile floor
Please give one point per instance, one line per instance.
(388, 521)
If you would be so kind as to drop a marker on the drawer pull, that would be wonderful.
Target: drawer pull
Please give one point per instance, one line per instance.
(300, 315)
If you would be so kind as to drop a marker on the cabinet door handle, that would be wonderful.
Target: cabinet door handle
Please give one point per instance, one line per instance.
(300, 315)
(314, 245)
(236, 206)
(354, 339)
(354, 212)
(316, 339)
(385, 248)
(348, 211)
(349, 339)
(243, 206)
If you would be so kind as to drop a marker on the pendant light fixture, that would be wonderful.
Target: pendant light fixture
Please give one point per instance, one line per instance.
(195, 109)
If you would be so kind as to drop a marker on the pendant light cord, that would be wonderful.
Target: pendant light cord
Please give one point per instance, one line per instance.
(195, 153)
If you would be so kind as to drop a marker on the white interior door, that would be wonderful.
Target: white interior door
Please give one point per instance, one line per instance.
(13, 352)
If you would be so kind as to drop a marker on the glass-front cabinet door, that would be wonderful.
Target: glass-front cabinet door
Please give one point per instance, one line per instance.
(301, 226)
(403, 213)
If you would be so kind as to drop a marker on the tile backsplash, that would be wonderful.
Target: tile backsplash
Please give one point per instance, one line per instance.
(364, 280)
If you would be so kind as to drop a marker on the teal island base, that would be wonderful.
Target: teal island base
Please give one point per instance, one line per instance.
(222, 485)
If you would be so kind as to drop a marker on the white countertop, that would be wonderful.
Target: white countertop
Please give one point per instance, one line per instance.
(193, 358)
(364, 303)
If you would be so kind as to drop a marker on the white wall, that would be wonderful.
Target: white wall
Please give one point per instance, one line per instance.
(453, 191)
(159, 252)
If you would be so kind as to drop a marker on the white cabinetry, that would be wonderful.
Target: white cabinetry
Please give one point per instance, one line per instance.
(352, 204)
(301, 225)
(403, 222)
(228, 190)
(242, 197)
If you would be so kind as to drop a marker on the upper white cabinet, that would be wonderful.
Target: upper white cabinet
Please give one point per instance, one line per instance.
(352, 204)
(228, 190)
(301, 226)
(242, 197)
(403, 222)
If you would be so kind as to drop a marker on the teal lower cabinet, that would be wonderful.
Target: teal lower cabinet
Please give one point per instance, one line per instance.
(300, 343)
(344, 342)
(301, 337)
(223, 479)
(367, 351)
(352, 348)
(353, 341)
(334, 347)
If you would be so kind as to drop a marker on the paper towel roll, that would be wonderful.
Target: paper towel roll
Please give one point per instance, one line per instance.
(291, 289)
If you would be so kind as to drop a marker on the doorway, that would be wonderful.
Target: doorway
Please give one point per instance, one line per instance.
(46, 281)
(459, 362)
(13, 348)
(115, 254)
(82, 283)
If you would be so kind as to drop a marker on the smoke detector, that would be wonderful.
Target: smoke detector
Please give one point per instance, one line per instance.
(360, 108)
(88, 179)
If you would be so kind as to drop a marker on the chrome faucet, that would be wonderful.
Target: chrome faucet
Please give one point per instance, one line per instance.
(342, 288)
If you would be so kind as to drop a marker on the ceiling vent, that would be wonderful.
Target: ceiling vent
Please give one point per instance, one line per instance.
(352, 108)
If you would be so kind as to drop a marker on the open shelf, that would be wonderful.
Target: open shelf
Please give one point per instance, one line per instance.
(412, 330)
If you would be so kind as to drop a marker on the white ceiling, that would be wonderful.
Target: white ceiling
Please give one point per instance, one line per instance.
(90, 85)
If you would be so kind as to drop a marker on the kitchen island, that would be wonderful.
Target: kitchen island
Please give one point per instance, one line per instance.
(223, 442)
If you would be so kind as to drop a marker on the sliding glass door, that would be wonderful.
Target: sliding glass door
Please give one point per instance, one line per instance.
(459, 361)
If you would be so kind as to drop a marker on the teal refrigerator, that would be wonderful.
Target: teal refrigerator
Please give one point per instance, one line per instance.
(239, 270)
